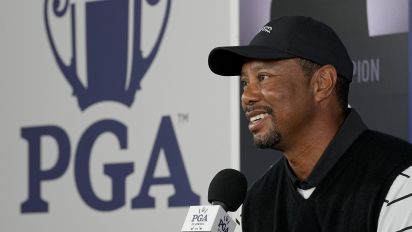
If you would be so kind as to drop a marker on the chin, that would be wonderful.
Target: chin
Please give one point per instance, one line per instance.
(267, 141)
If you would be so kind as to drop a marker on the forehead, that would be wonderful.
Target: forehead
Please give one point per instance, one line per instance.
(270, 65)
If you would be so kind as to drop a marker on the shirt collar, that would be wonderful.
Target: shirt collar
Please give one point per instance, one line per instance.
(351, 129)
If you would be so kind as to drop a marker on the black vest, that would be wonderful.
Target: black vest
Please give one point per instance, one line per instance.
(348, 199)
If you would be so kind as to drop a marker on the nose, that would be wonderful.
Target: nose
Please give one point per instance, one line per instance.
(251, 94)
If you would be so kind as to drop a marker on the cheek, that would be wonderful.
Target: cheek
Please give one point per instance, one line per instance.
(280, 97)
(290, 103)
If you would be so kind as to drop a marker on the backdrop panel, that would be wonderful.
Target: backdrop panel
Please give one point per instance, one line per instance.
(110, 118)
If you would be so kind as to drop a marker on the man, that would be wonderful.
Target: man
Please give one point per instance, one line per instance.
(336, 174)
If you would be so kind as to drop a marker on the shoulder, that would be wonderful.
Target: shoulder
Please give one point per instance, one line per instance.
(261, 192)
(267, 180)
(257, 209)
(381, 156)
(395, 214)
(379, 146)
(385, 141)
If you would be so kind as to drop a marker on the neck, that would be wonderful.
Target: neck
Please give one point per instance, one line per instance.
(308, 149)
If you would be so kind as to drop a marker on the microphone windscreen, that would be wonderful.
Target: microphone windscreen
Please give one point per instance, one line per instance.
(229, 186)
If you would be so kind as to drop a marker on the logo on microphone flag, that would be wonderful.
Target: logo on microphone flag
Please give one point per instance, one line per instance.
(208, 219)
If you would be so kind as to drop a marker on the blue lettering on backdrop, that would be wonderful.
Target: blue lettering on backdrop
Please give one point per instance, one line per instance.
(117, 172)
(184, 196)
(166, 140)
(33, 135)
(106, 64)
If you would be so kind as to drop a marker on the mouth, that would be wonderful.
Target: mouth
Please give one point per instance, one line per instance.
(257, 117)
(257, 122)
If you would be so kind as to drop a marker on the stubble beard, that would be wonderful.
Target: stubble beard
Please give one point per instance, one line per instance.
(268, 140)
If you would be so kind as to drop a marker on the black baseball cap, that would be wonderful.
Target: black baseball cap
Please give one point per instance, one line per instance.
(284, 38)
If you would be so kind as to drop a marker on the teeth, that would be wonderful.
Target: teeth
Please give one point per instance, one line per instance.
(257, 117)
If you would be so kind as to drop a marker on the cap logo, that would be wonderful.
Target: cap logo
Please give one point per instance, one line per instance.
(266, 29)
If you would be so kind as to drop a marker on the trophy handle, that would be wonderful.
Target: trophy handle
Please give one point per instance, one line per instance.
(140, 64)
(69, 71)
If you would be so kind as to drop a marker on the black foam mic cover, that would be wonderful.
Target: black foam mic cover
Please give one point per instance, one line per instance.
(229, 187)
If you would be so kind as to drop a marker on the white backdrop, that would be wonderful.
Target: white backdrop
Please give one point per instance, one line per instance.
(35, 94)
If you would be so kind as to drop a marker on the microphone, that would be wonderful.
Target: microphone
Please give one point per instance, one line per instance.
(227, 190)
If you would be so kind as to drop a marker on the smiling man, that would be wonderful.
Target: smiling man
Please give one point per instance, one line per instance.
(336, 174)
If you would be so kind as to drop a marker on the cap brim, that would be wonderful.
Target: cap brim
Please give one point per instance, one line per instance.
(228, 61)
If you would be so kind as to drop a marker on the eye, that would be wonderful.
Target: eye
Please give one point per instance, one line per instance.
(243, 83)
(263, 76)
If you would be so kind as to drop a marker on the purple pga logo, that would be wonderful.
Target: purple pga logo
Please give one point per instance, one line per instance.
(113, 62)
(103, 60)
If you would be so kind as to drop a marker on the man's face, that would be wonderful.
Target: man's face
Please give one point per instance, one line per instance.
(277, 100)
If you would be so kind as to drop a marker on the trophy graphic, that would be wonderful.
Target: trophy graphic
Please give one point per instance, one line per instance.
(106, 44)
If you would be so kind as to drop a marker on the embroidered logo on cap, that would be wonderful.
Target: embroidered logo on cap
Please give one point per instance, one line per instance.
(266, 29)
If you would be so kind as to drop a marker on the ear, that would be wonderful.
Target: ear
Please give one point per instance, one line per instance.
(324, 82)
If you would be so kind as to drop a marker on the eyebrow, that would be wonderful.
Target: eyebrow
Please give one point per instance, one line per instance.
(261, 65)
(242, 74)
(265, 65)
